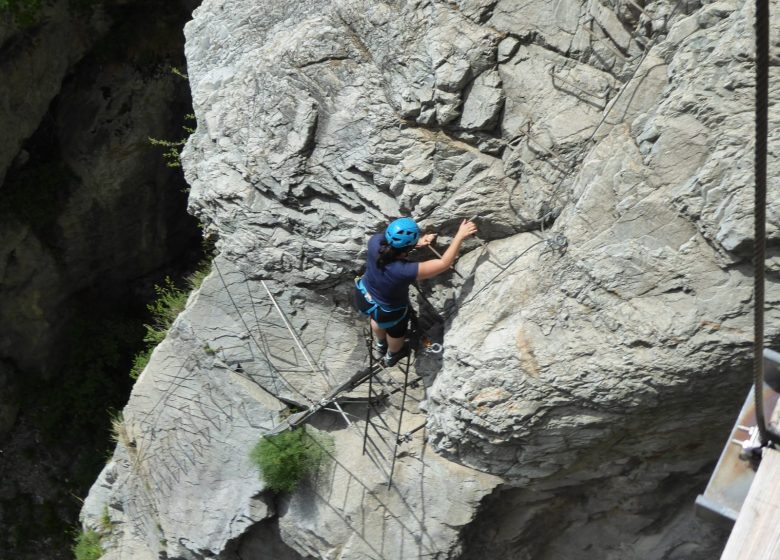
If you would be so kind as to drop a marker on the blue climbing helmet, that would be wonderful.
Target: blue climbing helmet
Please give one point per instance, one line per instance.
(402, 232)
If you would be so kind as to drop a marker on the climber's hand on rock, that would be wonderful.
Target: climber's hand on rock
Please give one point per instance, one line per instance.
(466, 229)
(426, 239)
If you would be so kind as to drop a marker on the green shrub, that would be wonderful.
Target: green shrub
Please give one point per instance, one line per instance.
(139, 362)
(173, 148)
(118, 430)
(87, 546)
(105, 520)
(170, 301)
(195, 279)
(286, 459)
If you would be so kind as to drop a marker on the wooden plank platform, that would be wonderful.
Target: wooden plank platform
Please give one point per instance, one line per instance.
(756, 533)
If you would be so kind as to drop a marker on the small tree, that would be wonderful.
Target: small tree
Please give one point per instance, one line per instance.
(287, 458)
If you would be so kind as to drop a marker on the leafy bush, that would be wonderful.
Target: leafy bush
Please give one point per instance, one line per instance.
(139, 362)
(87, 546)
(173, 148)
(286, 459)
(105, 521)
(170, 301)
(118, 430)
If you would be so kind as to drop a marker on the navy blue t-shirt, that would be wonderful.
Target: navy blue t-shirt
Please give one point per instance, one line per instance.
(389, 285)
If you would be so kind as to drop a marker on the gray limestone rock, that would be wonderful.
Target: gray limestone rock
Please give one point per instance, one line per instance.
(191, 424)
(603, 318)
(484, 102)
(220, 381)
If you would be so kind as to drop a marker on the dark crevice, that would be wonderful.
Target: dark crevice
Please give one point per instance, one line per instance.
(324, 60)
(83, 266)
(261, 540)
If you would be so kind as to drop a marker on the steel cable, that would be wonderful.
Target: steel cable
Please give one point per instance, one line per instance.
(759, 248)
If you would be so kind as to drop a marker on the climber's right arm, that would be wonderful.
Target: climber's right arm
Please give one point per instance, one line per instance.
(434, 267)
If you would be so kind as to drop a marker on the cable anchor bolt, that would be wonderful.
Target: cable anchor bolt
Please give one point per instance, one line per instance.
(752, 446)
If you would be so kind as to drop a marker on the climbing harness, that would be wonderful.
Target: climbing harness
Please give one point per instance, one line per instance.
(376, 307)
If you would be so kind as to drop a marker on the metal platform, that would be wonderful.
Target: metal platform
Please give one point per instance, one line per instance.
(731, 480)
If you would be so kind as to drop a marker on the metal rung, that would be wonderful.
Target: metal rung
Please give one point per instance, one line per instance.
(408, 435)
(602, 97)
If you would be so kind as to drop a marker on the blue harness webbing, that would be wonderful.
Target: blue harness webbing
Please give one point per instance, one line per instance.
(375, 308)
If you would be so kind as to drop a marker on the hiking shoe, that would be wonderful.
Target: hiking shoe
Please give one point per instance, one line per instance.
(392, 358)
(380, 346)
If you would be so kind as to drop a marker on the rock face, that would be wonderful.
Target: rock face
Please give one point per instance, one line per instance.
(595, 351)
(219, 381)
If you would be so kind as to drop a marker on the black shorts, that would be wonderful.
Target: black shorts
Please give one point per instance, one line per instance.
(396, 331)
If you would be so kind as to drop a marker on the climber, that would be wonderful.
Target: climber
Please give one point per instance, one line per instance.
(383, 291)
